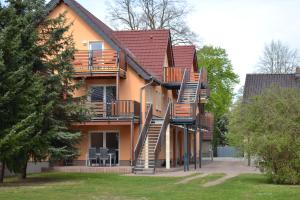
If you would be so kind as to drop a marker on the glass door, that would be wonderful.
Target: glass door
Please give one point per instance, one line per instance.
(112, 143)
(110, 96)
(109, 140)
(101, 98)
(95, 54)
(97, 140)
(97, 100)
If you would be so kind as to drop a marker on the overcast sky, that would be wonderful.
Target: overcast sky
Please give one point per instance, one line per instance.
(242, 27)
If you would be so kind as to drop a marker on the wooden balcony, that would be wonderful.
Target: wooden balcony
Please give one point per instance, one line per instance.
(119, 109)
(183, 112)
(207, 121)
(207, 135)
(98, 63)
(173, 77)
(173, 74)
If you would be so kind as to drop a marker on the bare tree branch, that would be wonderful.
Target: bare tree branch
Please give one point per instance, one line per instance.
(153, 14)
(278, 58)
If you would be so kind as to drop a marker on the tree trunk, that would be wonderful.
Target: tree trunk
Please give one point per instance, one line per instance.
(249, 159)
(24, 171)
(2, 170)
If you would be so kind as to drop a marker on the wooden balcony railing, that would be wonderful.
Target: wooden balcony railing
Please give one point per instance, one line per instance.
(115, 109)
(181, 110)
(207, 121)
(173, 74)
(104, 61)
(207, 135)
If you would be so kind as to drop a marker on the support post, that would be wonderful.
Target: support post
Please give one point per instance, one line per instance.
(185, 146)
(189, 148)
(168, 157)
(117, 85)
(131, 142)
(146, 160)
(177, 149)
(195, 147)
(200, 148)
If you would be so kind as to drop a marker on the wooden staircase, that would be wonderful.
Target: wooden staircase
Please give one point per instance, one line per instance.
(189, 93)
(146, 159)
(151, 139)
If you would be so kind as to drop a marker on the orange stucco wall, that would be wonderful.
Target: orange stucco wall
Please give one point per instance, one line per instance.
(124, 140)
(129, 89)
(82, 32)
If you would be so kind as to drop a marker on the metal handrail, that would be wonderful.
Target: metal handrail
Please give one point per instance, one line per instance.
(162, 132)
(198, 89)
(183, 83)
(143, 134)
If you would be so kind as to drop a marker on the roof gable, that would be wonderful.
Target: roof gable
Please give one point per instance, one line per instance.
(149, 48)
(184, 56)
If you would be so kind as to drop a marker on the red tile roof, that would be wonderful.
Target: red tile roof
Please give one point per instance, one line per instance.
(149, 48)
(184, 56)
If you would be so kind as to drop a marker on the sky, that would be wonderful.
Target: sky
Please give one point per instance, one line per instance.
(241, 27)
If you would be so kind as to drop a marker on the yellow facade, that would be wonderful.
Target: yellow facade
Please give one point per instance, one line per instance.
(129, 89)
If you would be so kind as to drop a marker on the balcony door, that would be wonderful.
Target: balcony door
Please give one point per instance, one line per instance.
(105, 139)
(95, 53)
(103, 95)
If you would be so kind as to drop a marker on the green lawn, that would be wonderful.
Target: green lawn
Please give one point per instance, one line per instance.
(114, 187)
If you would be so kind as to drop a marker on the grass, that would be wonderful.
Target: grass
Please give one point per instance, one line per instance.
(205, 179)
(114, 187)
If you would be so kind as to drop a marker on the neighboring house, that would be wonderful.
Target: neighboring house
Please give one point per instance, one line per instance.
(255, 84)
(146, 97)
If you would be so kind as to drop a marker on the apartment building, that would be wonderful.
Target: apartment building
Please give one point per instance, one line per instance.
(146, 97)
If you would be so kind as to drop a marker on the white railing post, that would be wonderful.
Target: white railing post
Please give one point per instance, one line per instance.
(168, 151)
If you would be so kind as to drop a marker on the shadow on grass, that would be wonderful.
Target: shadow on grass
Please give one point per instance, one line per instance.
(37, 180)
(253, 179)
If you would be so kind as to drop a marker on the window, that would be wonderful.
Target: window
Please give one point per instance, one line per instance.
(149, 95)
(158, 101)
(95, 46)
(102, 94)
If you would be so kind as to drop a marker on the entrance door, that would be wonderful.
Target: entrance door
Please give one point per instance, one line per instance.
(109, 140)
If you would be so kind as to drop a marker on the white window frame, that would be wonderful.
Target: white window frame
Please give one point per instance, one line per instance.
(104, 139)
(94, 41)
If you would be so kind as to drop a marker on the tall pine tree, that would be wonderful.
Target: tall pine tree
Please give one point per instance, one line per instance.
(36, 104)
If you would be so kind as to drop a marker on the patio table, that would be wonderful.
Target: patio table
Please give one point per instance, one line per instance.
(110, 157)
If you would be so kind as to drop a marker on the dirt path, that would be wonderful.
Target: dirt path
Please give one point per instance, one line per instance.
(186, 180)
(231, 168)
(218, 181)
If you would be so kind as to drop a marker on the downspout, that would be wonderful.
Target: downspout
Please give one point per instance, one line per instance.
(141, 103)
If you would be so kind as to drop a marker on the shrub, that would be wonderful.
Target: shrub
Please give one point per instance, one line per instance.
(268, 127)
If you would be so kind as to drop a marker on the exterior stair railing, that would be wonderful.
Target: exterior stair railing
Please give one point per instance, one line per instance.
(143, 134)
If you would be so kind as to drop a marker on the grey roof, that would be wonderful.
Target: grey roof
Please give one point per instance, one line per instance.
(256, 83)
